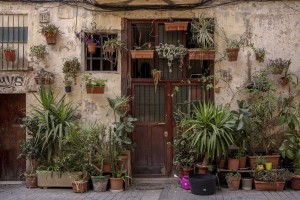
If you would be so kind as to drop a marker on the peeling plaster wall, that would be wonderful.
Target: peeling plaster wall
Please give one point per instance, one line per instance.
(273, 25)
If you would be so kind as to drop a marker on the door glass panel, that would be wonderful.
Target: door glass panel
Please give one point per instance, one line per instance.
(149, 106)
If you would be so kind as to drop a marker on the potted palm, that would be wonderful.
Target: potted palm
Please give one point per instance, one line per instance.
(94, 85)
(71, 68)
(209, 128)
(50, 31)
(203, 34)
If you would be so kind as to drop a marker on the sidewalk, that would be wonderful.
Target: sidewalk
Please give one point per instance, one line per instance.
(170, 191)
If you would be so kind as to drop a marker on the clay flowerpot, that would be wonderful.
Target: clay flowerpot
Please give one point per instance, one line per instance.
(221, 164)
(43, 80)
(95, 89)
(106, 168)
(233, 164)
(91, 47)
(142, 54)
(10, 55)
(295, 183)
(233, 183)
(242, 162)
(284, 81)
(274, 159)
(176, 26)
(51, 39)
(187, 170)
(79, 186)
(201, 54)
(31, 180)
(202, 169)
(269, 186)
(99, 183)
(116, 184)
(232, 54)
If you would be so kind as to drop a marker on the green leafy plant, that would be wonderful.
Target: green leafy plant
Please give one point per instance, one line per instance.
(232, 44)
(260, 54)
(71, 67)
(91, 81)
(110, 46)
(146, 46)
(171, 52)
(184, 155)
(49, 30)
(209, 128)
(260, 161)
(117, 104)
(231, 175)
(38, 52)
(203, 32)
(279, 65)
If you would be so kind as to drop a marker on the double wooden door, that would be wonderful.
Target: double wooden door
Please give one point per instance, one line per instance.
(12, 109)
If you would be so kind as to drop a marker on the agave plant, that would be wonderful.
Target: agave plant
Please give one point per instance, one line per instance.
(209, 129)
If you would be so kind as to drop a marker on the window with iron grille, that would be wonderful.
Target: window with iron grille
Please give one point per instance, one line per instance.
(14, 35)
(98, 61)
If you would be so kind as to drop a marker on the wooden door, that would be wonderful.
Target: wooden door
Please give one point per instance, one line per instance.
(149, 156)
(12, 109)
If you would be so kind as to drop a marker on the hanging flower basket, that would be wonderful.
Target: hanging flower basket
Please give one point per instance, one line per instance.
(201, 54)
(142, 54)
(51, 39)
(10, 55)
(176, 26)
(232, 54)
(92, 47)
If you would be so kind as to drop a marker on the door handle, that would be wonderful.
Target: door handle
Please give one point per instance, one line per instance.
(162, 123)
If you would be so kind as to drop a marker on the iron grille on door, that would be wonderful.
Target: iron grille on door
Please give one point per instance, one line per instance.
(14, 34)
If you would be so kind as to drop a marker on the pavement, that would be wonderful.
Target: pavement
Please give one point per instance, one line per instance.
(170, 191)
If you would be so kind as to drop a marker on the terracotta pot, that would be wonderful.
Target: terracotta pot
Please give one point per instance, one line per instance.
(176, 26)
(51, 39)
(232, 54)
(106, 168)
(79, 186)
(95, 89)
(269, 186)
(179, 173)
(233, 164)
(233, 183)
(10, 55)
(200, 54)
(142, 54)
(259, 58)
(43, 80)
(187, 170)
(242, 162)
(91, 47)
(202, 169)
(295, 183)
(31, 180)
(284, 81)
(221, 164)
(122, 160)
(116, 184)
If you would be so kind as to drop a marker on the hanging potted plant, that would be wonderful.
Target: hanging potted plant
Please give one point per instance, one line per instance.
(94, 85)
(50, 31)
(176, 26)
(38, 52)
(71, 67)
(171, 52)
(87, 36)
(260, 54)
(156, 74)
(9, 54)
(279, 65)
(233, 48)
(111, 46)
(203, 34)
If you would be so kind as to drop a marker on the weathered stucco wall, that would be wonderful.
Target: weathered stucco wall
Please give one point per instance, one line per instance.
(273, 26)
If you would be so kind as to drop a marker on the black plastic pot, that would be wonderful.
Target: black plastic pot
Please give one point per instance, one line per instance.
(68, 89)
(203, 184)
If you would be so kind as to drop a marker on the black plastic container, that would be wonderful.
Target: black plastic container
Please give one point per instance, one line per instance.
(68, 89)
(203, 184)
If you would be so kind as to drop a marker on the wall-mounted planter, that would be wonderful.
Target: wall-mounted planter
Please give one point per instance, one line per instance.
(176, 26)
(232, 54)
(51, 39)
(274, 159)
(91, 47)
(43, 80)
(142, 54)
(10, 55)
(95, 89)
(200, 54)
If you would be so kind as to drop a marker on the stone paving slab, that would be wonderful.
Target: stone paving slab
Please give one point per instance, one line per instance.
(170, 192)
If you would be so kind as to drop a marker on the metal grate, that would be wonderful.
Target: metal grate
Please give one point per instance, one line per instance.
(150, 106)
(14, 34)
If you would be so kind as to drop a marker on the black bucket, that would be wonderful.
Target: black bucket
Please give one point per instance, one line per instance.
(203, 184)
